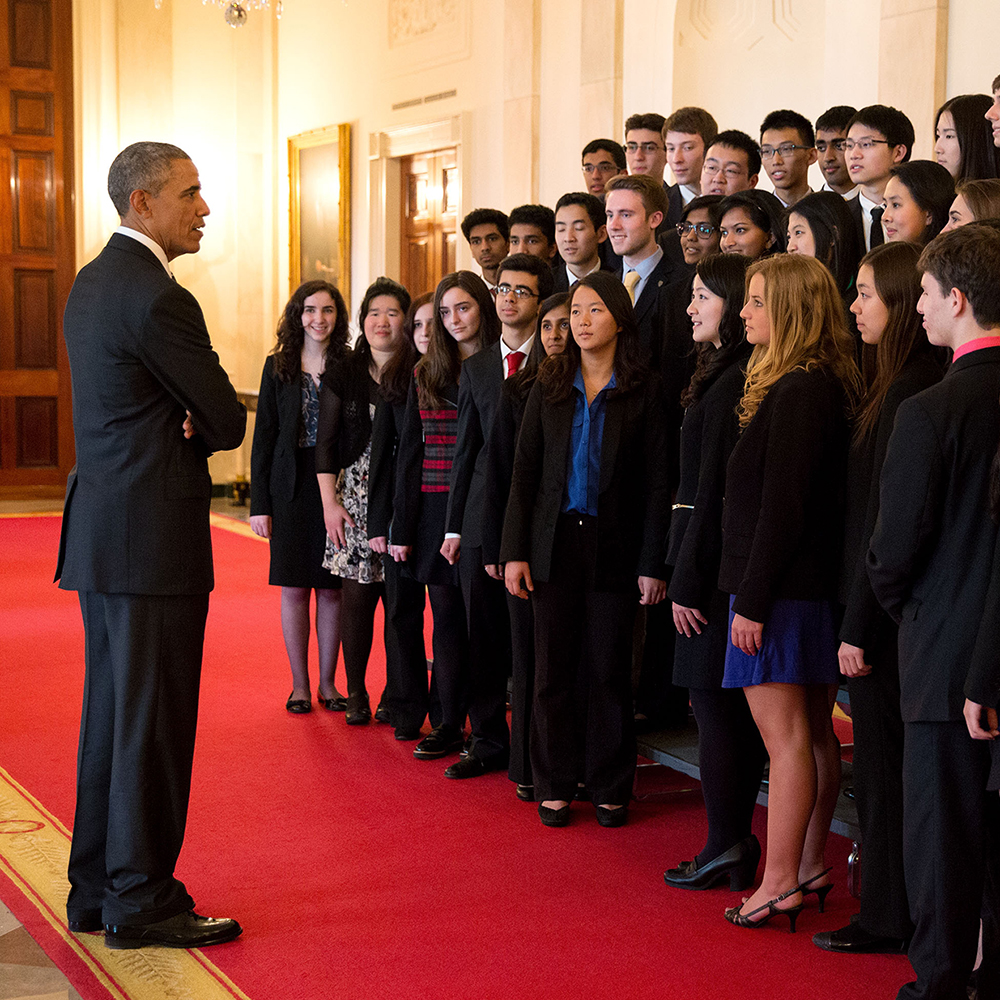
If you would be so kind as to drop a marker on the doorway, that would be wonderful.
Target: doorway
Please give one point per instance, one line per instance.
(429, 199)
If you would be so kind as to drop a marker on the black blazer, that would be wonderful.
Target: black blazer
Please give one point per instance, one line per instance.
(710, 432)
(633, 506)
(864, 619)
(386, 426)
(982, 685)
(785, 485)
(675, 207)
(931, 555)
(137, 501)
(478, 391)
(560, 279)
(274, 472)
(651, 309)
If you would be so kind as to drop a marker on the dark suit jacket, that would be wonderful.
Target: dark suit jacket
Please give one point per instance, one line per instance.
(931, 555)
(633, 504)
(785, 497)
(137, 501)
(273, 469)
(386, 427)
(675, 208)
(478, 391)
(560, 279)
(983, 682)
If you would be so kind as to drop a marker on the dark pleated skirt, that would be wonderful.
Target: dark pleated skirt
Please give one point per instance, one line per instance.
(298, 534)
(426, 564)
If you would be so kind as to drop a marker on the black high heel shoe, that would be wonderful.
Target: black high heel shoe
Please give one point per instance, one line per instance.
(734, 916)
(821, 891)
(738, 864)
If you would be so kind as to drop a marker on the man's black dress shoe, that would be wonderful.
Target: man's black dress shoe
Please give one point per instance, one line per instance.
(186, 930)
(402, 733)
(854, 939)
(298, 706)
(439, 742)
(87, 923)
(738, 864)
(612, 817)
(526, 793)
(382, 714)
(473, 767)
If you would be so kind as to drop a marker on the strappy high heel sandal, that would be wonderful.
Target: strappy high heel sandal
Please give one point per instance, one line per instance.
(734, 916)
(821, 891)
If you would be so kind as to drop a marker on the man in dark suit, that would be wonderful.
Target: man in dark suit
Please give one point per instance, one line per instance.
(929, 565)
(151, 402)
(687, 134)
(523, 280)
(581, 233)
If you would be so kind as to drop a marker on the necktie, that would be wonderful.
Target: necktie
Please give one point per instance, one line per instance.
(514, 362)
(630, 280)
(877, 236)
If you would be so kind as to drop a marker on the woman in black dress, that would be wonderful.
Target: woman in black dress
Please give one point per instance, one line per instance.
(343, 442)
(465, 321)
(731, 754)
(285, 504)
(781, 554)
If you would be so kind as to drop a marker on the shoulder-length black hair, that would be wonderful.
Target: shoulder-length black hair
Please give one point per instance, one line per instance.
(932, 188)
(556, 373)
(380, 286)
(980, 158)
(291, 334)
(724, 274)
(522, 381)
(834, 233)
(440, 366)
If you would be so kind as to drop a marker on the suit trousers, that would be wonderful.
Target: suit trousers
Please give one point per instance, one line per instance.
(946, 816)
(140, 712)
(878, 787)
(489, 656)
(582, 722)
(522, 689)
(450, 684)
(405, 694)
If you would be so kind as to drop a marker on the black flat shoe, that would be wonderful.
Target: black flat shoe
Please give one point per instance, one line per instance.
(402, 733)
(338, 703)
(382, 715)
(612, 817)
(298, 706)
(186, 930)
(526, 793)
(359, 711)
(553, 817)
(738, 864)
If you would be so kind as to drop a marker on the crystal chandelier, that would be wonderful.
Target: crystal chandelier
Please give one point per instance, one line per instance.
(235, 11)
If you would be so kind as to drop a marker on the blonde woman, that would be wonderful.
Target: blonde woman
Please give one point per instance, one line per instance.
(780, 561)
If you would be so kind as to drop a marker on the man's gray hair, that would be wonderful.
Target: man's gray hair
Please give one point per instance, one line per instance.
(143, 166)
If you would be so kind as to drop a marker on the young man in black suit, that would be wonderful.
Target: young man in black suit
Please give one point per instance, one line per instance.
(878, 137)
(687, 134)
(151, 402)
(788, 149)
(929, 564)
(602, 159)
(732, 163)
(524, 280)
(486, 230)
(533, 231)
(831, 149)
(581, 232)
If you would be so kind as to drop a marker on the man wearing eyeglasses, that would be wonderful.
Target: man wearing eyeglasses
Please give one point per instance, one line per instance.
(523, 280)
(788, 150)
(831, 148)
(878, 137)
(602, 159)
(732, 163)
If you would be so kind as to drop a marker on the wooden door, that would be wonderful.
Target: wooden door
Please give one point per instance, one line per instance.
(429, 206)
(36, 245)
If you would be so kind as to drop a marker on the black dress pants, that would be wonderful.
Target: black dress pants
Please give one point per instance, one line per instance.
(582, 719)
(451, 654)
(948, 817)
(489, 657)
(522, 689)
(405, 694)
(137, 733)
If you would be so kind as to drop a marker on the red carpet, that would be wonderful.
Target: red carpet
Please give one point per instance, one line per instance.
(360, 872)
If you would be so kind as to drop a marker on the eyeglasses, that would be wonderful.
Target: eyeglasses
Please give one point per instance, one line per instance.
(702, 230)
(600, 168)
(838, 144)
(711, 169)
(646, 147)
(519, 291)
(864, 144)
(785, 149)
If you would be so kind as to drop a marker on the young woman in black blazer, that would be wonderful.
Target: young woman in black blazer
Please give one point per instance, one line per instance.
(465, 321)
(888, 287)
(285, 504)
(732, 754)
(783, 519)
(586, 521)
(551, 336)
(343, 441)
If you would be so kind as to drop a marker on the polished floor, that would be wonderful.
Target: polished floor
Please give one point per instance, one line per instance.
(26, 973)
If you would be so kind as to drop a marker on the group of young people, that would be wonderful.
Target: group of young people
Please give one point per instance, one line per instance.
(769, 424)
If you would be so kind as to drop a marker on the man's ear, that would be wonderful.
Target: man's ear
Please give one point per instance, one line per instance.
(139, 201)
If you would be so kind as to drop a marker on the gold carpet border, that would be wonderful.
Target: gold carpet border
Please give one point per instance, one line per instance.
(34, 853)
